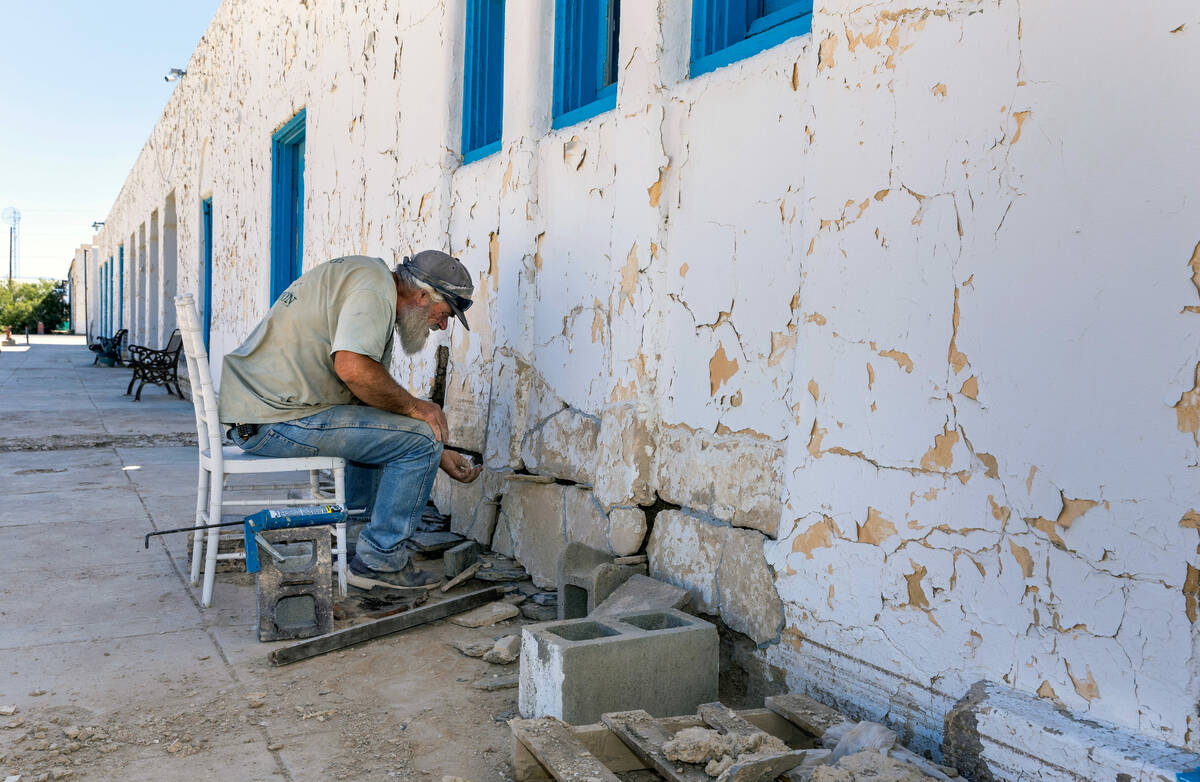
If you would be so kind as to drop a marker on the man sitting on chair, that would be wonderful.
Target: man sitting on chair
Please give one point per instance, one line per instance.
(312, 379)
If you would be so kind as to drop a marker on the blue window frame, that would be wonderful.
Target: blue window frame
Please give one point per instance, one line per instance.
(287, 204)
(206, 267)
(586, 34)
(483, 79)
(121, 287)
(724, 31)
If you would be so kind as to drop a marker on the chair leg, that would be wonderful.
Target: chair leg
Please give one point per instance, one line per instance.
(138, 396)
(198, 536)
(214, 542)
(339, 495)
(132, 380)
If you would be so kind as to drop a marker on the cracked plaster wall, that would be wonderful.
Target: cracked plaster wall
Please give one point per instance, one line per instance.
(907, 303)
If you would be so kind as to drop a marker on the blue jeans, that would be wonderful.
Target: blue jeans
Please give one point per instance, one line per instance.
(391, 463)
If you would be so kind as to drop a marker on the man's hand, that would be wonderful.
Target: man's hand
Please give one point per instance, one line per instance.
(459, 467)
(431, 414)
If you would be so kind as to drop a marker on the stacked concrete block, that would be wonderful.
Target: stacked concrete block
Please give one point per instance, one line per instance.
(295, 597)
(662, 661)
(586, 577)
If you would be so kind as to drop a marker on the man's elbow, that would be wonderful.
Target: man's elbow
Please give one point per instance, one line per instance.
(351, 368)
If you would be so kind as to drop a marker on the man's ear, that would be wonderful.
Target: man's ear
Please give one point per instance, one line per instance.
(423, 297)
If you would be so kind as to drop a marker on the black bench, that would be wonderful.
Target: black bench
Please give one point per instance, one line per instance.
(160, 367)
(110, 348)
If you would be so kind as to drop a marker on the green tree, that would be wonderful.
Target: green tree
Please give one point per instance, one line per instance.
(23, 304)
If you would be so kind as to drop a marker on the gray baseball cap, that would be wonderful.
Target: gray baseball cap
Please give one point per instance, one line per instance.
(447, 276)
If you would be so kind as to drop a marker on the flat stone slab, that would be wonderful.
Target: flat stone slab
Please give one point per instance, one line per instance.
(487, 615)
(642, 593)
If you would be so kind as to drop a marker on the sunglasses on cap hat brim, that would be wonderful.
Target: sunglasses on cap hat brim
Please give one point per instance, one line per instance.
(458, 304)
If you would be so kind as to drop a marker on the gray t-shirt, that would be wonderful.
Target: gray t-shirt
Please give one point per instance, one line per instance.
(284, 369)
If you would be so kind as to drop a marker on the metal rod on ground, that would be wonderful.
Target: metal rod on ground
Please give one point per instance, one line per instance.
(340, 639)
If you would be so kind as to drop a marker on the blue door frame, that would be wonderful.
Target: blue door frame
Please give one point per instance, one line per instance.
(121, 288)
(287, 204)
(206, 270)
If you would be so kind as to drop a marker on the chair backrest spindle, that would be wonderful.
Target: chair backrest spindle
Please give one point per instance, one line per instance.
(204, 396)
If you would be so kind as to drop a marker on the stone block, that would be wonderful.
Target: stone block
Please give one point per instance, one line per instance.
(586, 521)
(626, 530)
(564, 446)
(736, 478)
(295, 597)
(996, 732)
(642, 593)
(530, 527)
(664, 662)
(586, 577)
(459, 558)
(472, 507)
(626, 447)
(697, 555)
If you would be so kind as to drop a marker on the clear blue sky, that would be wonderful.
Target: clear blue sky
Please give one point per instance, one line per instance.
(81, 86)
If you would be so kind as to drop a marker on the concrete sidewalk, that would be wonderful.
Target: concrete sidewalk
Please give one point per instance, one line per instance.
(116, 672)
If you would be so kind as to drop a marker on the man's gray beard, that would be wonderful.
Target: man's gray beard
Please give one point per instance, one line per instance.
(412, 326)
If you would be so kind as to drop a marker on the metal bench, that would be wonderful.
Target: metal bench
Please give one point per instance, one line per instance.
(110, 349)
(160, 367)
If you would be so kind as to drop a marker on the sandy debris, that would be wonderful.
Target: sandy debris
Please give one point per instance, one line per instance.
(869, 766)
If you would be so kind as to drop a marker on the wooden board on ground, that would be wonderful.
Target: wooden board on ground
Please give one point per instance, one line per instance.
(613, 753)
(645, 736)
(725, 721)
(812, 716)
(559, 752)
(380, 627)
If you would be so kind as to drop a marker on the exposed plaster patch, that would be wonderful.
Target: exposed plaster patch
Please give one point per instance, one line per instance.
(1029, 480)
(1194, 264)
(629, 276)
(900, 357)
(816, 318)
(819, 535)
(1191, 520)
(814, 389)
(494, 259)
(683, 270)
(1191, 591)
(1000, 513)
(781, 343)
(814, 440)
(876, 529)
(916, 593)
(941, 454)
(537, 254)
(1085, 686)
(1021, 555)
(574, 153)
(655, 190)
(870, 376)
(795, 76)
(939, 89)
(970, 388)
(1072, 509)
(991, 467)
(1046, 691)
(426, 206)
(958, 359)
(1020, 117)
(1187, 409)
(720, 369)
(825, 52)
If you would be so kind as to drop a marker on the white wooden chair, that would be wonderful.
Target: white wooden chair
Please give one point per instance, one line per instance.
(218, 462)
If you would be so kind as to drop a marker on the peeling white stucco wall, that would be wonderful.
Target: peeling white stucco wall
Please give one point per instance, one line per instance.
(883, 341)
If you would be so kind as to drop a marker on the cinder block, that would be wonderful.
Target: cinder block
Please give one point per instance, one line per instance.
(663, 661)
(295, 597)
(586, 577)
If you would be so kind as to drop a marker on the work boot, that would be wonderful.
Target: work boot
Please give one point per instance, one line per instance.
(408, 577)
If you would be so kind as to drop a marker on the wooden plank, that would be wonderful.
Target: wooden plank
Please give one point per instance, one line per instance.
(340, 639)
(811, 716)
(645, 737)
(723, 719)
(559, 752)
(614, 754)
